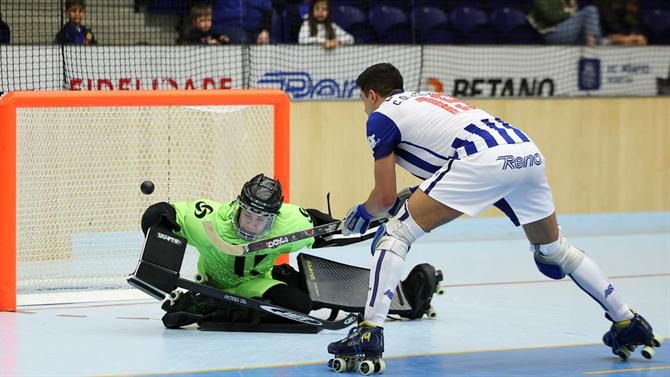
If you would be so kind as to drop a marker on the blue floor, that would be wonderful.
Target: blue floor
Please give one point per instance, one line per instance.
(498, 317)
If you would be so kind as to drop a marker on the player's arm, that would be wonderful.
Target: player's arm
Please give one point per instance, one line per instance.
(383, 195)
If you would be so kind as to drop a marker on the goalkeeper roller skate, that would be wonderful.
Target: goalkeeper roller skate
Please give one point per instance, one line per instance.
(361, 350)
(623, 337)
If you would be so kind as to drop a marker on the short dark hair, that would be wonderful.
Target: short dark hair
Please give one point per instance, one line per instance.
(71, 3)
(383, 78)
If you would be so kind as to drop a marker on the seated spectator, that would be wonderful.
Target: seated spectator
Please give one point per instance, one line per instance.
(560, 22)
(621, 22)
(319, 29)
(201, 27)
(244, 22)
(4, 32)
(74, 32)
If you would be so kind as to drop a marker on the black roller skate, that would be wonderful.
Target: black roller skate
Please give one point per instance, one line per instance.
(623, 337)
(361, 350)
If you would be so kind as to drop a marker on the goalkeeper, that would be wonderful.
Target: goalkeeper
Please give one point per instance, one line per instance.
(258, 212)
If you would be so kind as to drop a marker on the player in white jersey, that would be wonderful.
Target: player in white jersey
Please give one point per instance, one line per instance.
(469, 160)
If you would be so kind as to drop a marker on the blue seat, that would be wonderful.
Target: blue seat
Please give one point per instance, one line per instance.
(431, 25)
(354, 21)
(513, 27)
(277, 34)
(472, 26)
(657, 22)
(176, 7)
(391, 24)
(291, 23)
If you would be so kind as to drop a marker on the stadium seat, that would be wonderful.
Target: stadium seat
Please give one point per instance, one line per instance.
(431, 25)
(472, 26)
(277, 34)
(654, 4)
(176, 7)
(513, 27)
(291, 23)
(354, 21)
(657, 22)
(391, 24)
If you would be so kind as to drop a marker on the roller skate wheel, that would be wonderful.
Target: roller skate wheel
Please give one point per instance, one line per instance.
(382, 366)
(366, 368)
(174, 295)
(648, 352)
(623, 353)
(439, 289)
(431, 313)
(330, 363)
(200, 278)
(339, 365)
(352, 365)
(657, 341)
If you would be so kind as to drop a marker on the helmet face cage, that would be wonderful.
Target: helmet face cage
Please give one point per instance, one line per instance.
(253, 215)
(260, 198)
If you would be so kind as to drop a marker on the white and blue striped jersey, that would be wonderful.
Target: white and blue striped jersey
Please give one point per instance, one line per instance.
(425, 130)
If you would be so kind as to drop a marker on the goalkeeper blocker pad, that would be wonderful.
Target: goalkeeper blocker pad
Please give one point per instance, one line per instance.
(339, 286)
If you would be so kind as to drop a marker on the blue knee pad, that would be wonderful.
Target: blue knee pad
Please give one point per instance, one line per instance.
(393, 236)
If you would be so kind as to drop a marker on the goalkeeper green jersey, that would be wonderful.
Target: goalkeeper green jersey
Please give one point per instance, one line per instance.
(227, 271)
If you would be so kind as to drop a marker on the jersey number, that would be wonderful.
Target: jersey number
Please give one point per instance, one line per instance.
(448, 103)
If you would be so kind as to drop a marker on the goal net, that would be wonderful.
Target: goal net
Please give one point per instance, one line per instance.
(77, 160)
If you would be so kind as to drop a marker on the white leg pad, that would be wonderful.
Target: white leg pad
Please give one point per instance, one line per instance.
(559, 263)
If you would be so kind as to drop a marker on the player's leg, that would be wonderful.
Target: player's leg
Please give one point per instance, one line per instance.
(532, 204)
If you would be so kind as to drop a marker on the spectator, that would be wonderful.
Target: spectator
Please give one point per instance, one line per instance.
(244, 22)
(560, 22)
(201, 27)
(4, 32)
(319, 29)
(74, 32)
(621, 22)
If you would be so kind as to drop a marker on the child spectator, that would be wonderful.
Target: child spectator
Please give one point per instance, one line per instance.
(74, 32)
(319, 29)
(201, 27)
(621, 22)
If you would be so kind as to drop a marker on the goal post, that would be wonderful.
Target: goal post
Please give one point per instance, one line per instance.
(72, 162)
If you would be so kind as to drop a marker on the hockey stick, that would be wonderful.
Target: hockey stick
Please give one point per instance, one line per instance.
(269, 243)
(250, 303)
(317, 231)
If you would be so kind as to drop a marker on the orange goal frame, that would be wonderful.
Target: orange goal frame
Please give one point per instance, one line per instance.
(10, 102)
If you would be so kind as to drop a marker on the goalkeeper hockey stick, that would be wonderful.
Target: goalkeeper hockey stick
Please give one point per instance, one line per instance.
(250, 303)
(269, 243)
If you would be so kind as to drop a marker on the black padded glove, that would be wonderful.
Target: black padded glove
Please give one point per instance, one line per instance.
(161, 214)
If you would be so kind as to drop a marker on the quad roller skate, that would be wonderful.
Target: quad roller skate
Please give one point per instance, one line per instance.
(623, 337)
(361, 350)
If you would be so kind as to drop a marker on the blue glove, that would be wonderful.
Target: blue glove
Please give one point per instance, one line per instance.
(357, 221)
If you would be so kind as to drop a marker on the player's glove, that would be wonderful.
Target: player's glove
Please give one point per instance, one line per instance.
(357, 221)
(160, 214)
(400, 200)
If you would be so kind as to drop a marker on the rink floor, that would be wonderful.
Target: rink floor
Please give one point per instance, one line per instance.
(498, 317)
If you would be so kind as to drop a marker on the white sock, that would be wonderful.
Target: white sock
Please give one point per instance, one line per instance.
(385, 276)
(594, 282)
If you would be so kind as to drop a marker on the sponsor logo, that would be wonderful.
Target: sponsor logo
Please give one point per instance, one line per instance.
(291, 315)
(588, 71)
(373, 140)
(202, 209)
(389, 294)
(302, 85)
(504, 87)
(157, 83)
(168, 238)
(277, 241)
(519, 162)
(310, 270)
(609, 290)
(239, 300)
(617, 74)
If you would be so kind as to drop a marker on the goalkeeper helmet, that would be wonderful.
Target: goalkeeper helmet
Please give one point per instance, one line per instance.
(257, 207)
